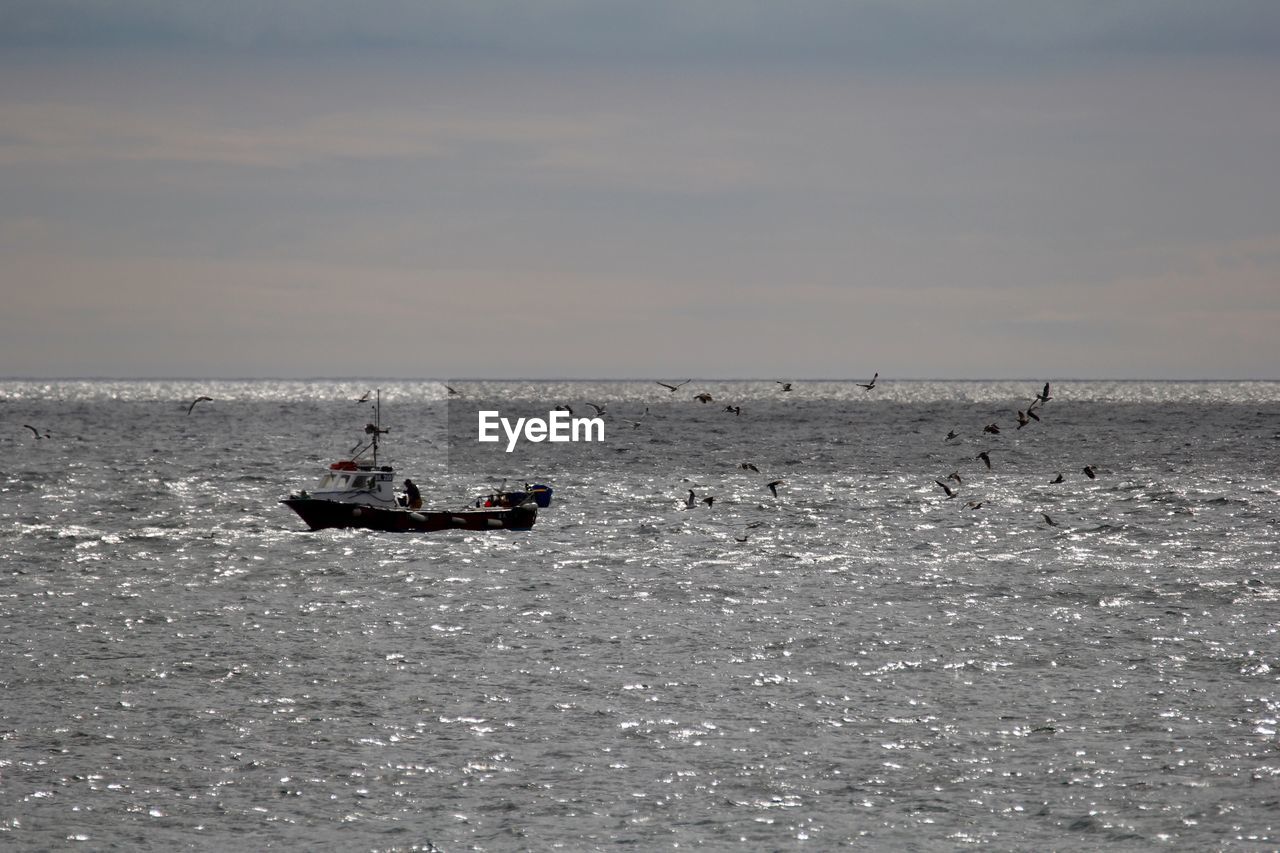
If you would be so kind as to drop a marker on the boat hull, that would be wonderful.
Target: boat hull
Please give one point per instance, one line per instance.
(322, 514)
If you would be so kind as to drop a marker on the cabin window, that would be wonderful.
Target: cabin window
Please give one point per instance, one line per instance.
(326, 481)
(343, 480)
(360, 482)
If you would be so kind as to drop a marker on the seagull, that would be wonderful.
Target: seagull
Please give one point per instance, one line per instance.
(992, 428)
(748, 466)
(704, 397)
(984, 457)
(745, 534)
(946, 488)
(1023, 420)
(951, 434)
(1031, 413)
(200, 399)
(872, 383)
(955, 475)
(689, 501)
(1049, 521)
(364, 398)
(974, 505)
(737, 410)
(676, 387)
(773, 487)
(786, 386)
(1089, 472)
(450, 389)
(1043, 396)
(565, 409)
(36, 432)
(599, 409)
(709, 500)
(1056, 480)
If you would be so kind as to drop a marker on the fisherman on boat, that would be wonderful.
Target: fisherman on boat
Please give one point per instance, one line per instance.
(412, 497)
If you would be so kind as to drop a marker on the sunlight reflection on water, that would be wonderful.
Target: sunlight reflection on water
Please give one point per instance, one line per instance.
(859, 660)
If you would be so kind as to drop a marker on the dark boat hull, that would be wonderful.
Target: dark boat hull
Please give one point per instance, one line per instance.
(321, 514)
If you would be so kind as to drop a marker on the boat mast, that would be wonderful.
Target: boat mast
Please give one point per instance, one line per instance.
(374, 430)
(377, 429)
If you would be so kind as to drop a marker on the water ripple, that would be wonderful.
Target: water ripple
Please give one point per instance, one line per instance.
(858, 662)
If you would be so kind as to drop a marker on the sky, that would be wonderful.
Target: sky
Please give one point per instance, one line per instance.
(658, 189)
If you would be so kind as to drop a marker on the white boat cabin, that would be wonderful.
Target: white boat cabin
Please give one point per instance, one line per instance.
(352, 483)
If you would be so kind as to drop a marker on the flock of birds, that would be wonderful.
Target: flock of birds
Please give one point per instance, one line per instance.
(950, 484)
(1025, 418)
(692, 499)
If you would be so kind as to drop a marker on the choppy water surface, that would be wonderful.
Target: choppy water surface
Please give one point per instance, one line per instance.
(860, 661)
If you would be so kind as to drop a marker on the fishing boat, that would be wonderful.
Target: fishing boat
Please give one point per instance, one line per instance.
(360, 493)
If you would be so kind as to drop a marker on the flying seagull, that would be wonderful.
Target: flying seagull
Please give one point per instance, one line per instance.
(749, 466)
(674, 388)
(786, 386)
(1089, 472)
(450, 389)
(951, 434)
(737, 410)
(200, 399)
(364, 398)
(709, 500)
(1043, 396)
(773, 487)
(599, 409)
(946, 488)
(689, 501)
(993, 428)
(1056, 480)
(984, 457)
(872, 383)
(704, 397)
(1049, 521)
(36, 432)
(565, 409)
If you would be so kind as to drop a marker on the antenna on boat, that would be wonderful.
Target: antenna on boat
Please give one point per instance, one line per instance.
(373, 430)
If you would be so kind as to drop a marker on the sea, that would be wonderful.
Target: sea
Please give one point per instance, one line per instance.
(858, 662)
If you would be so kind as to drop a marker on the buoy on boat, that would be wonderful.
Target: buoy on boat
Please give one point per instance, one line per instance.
(356, 512)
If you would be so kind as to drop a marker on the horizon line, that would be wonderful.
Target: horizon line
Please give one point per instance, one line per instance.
(369, 378)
